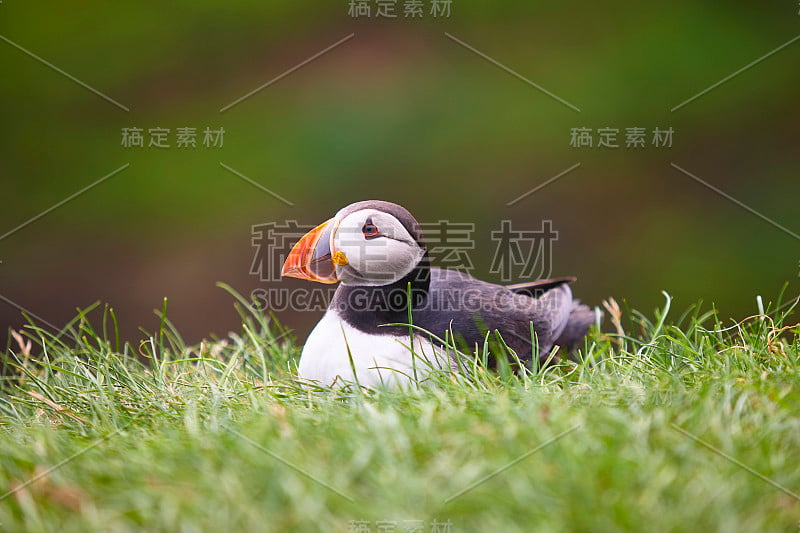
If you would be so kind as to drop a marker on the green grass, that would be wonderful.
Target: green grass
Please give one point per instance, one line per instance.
(220, 437)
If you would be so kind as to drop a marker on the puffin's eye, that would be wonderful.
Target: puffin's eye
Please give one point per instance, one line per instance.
(370, 230)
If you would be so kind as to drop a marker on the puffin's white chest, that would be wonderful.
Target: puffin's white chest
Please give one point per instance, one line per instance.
(377, 359)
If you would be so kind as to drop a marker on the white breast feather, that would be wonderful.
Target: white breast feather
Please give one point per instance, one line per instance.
(378, 359)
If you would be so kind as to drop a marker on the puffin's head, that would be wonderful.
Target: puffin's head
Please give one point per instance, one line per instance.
(366, 243)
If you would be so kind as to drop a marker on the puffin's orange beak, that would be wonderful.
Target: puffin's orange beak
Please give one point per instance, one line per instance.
(312, 259)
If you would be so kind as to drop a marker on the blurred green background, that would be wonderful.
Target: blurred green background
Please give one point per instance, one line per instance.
(403, 113)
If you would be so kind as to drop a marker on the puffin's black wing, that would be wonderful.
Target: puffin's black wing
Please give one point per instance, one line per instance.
(581, 317)
(471, 308)
(539, 287)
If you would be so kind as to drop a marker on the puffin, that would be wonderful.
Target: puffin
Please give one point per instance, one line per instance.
(394, 319)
